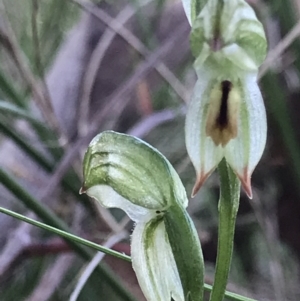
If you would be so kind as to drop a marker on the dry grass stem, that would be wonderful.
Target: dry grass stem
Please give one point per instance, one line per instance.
(114, 105)
(275, 54)
(94, 262)
(51, 279)
(10, 44)
(132, 40)
(94, 65)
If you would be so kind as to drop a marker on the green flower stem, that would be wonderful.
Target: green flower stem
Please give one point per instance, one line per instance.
(184, 241)
(229, 295)
(50, 218)
(228, 207)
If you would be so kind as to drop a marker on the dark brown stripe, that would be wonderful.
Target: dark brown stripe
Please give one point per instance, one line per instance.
(222, 120)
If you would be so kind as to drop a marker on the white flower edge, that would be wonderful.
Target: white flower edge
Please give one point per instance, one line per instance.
(109, 198)
(153, 262)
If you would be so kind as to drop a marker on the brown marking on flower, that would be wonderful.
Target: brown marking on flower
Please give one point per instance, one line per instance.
(222, 119)
(217, 43)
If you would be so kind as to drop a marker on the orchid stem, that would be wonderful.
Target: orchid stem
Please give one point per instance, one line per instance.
(228, 207)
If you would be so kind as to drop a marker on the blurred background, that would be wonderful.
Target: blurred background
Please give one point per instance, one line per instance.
(73, 68)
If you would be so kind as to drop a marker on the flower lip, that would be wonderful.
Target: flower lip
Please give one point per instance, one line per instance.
(221, 123)
(222, 119)
(226, 119)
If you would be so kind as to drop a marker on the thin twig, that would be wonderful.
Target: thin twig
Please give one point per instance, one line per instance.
(10, 44)
(109, 219)
(229, 295)
(147, 124)
(274, 54)
(114, 104)
(41, 73)
(133, 41)
(93, 67)
(52, 278)
(19, 239)
(35, 38)
(94, 263)
(266, 217)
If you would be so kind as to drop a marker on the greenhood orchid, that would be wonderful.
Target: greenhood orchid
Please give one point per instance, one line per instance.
(226, 116)
(124, 172)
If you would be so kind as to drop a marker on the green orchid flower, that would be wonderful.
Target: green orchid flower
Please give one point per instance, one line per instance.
(124, 172)
(226, 116)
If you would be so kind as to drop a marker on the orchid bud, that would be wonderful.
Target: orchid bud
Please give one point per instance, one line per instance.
(124, 172)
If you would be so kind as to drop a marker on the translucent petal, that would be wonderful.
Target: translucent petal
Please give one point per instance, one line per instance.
(241, 38)
(239, 24)
(204, 154)
(239, 57)
(192, 8)
(111, 199)
(153, 262)
(187, 6)
(244, 152)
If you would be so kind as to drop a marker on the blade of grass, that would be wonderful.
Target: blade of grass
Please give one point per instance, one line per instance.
(88, 270)
(9, 91)
(9, 131)
(287, 14)
(50, 218)
(21, 113)
(66, 235)
(278, 108)
(43, 132)
(52, 30)
(69, 236)
(229, 295)
(70, 181)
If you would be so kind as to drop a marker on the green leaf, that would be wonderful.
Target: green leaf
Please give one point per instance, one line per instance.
(21, 113)
(8, 89)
